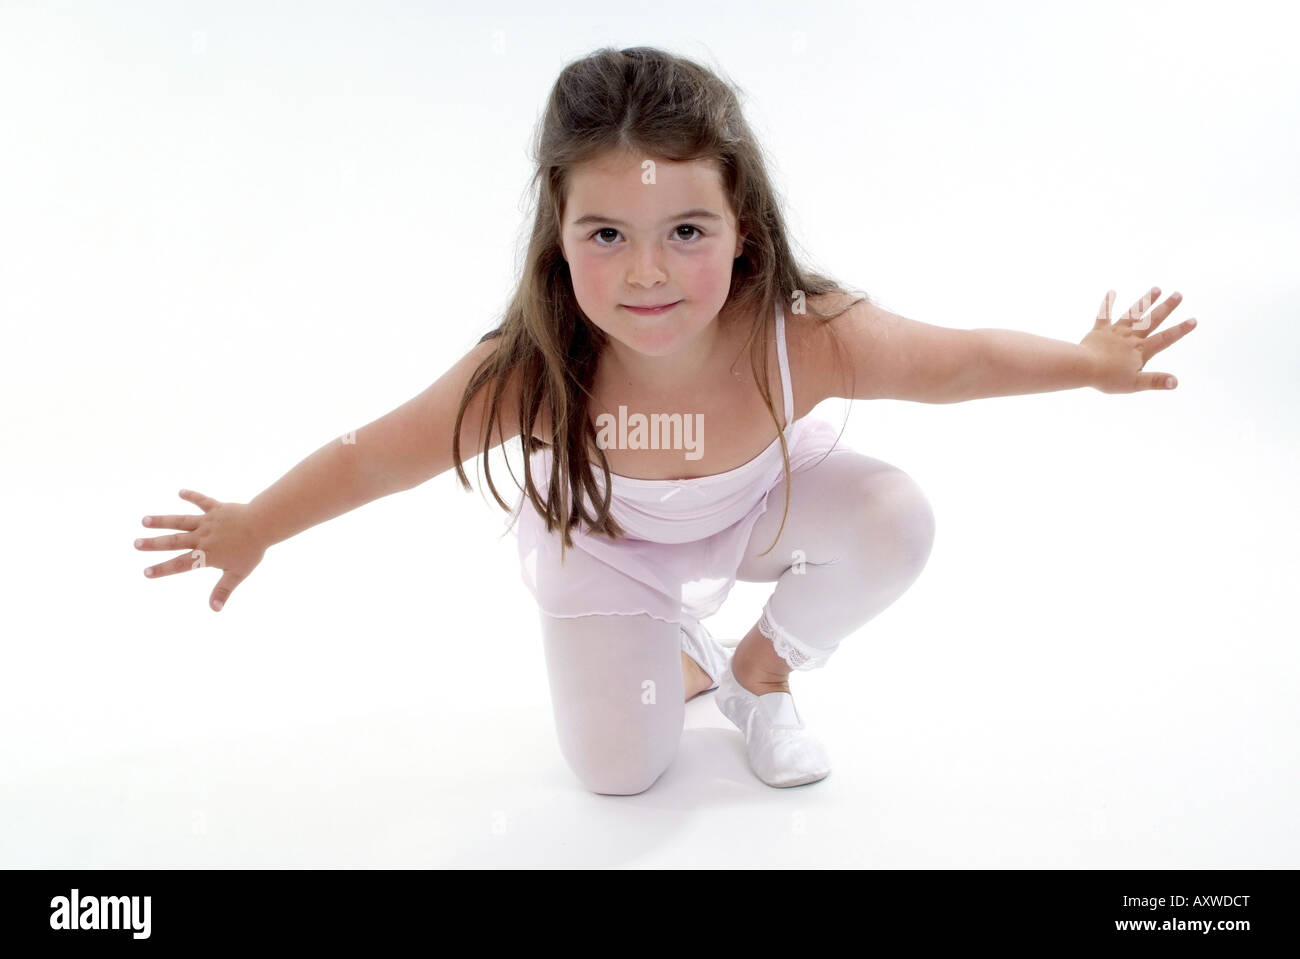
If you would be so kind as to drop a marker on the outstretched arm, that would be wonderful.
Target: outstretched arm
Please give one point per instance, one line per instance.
(1011, 363)
(892, 357)
(394, 453)
(1110, 357)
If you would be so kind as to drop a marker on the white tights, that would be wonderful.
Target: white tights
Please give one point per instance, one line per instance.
(857, 535)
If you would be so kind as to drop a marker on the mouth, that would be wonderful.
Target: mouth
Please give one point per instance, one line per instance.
(650, 310)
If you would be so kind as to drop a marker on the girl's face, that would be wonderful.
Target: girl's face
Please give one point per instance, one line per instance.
(636, 234)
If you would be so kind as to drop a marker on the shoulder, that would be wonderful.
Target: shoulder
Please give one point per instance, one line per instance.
(507, 388)
(815, 359)
(511, 395)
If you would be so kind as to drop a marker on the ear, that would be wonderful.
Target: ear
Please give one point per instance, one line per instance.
(740, 245)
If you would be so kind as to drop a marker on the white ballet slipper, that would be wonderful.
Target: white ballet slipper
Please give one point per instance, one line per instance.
(780, 754)
(699, 644)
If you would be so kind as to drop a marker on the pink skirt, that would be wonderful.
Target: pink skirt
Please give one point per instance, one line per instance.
(681, 581)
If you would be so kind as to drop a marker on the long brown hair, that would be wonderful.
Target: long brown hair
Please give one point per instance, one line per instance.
(658, 105)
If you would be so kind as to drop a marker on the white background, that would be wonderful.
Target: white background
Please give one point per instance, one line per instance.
(229, 233)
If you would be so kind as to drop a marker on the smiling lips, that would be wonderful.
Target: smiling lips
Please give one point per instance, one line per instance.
(651, 310)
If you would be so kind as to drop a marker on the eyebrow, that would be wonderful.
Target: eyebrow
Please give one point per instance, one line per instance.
(599, 218)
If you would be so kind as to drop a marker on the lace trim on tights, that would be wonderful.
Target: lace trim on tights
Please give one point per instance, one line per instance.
(784, 645)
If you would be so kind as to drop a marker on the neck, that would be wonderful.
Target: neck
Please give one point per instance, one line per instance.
(677, 374)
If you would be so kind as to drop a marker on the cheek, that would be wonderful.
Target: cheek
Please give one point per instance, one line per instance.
(709, 278)
(584, 290)
(591, 274)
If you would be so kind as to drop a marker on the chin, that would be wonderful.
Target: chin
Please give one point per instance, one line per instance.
(653, 342)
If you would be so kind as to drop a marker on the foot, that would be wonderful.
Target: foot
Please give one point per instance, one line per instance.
(753, 676)
(703, 658)
(781, 752)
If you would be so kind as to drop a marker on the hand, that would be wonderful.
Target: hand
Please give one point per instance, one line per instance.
(225, 536)
(1121, 350)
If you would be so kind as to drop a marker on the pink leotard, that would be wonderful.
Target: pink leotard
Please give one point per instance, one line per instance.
(685, 538)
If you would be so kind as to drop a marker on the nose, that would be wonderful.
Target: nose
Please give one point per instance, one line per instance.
(646, 268)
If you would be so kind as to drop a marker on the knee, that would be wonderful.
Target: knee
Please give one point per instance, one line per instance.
(605, 786)
(895, 510)
(617, 768)
(618, 778)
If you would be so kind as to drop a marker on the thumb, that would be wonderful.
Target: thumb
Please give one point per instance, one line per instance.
(223, 590)
(1157, 381)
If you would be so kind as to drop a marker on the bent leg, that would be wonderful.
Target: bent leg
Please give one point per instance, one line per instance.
(857, 535)
(618, 697)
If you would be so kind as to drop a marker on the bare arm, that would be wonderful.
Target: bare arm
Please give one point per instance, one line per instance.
(892, 357)
(1013, 363)
(1110, 358)
(396, 452)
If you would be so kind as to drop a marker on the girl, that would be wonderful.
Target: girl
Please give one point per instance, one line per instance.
(660, 468)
